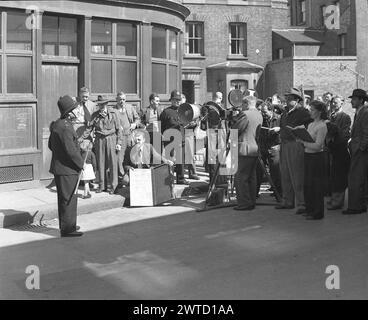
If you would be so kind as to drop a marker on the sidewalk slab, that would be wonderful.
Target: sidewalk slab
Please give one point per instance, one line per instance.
(19, 207)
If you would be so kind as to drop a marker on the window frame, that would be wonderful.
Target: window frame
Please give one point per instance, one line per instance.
(5, 53)
(115, 58)
(57, 57)
(244, 39)
(341, 48)
(167, 62)
(201, 40)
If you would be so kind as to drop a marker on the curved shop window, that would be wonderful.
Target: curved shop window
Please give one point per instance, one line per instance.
(165, 66)
(16, 53)
(114, 57)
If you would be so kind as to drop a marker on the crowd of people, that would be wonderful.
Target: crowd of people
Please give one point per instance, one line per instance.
(306, 172)
(103, 140)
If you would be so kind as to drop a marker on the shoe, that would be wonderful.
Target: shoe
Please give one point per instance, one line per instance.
(77, 228)
(88, 196)
(280, 207)
(301, 211)
(110, 191)
(182, 181)
(333, 208)
(99, 190)
(352, 212)
(314, 218)
(194, 177)
(244, 208)
(72, 234)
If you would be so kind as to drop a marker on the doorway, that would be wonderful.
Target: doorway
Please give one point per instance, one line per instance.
(188, 90)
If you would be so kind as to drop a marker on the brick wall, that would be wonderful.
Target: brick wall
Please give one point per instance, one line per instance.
(279, 76)
(216, 17)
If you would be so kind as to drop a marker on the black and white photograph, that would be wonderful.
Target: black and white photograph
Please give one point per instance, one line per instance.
(184, 156)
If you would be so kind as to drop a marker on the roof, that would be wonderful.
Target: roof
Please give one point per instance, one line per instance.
(301, 37)
(236, 64)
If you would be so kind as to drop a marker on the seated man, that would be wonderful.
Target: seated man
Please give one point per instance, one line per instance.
(141, 155)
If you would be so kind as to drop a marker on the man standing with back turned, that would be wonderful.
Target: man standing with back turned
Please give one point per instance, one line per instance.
(66, 164)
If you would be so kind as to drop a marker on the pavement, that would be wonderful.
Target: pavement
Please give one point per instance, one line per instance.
(173, 252)
(35, 205)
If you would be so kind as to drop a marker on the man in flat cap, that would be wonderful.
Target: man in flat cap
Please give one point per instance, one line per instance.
(66, 164)
(108, 143)
(292, 152)
(359, 155)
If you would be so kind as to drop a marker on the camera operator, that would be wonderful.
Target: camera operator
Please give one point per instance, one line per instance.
(248, 123)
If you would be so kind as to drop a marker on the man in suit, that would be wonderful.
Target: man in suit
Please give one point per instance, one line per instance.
(66, 164)
(141, 155)
(129, 121)
(359, 155)
(292, 152)
(151, 120)
(84, 110)
(249, 124)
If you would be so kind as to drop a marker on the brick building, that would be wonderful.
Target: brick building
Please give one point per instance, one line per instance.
(324, 49)
(52, 48)
(274, 45)
(227, 44)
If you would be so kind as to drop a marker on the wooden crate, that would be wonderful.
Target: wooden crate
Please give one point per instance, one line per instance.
(150, 187)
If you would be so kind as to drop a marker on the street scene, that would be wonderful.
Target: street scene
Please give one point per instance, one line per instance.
(184, 150)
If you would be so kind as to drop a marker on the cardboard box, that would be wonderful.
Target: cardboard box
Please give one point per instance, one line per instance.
(150, 187)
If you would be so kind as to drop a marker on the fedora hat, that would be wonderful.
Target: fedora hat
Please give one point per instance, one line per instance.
(66, 104)
(175, 94)
(359, 93)
(294, 92)
(101, 100)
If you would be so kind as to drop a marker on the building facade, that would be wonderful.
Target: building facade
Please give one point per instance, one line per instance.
(52, 48)
(227, 45)
(323, 49)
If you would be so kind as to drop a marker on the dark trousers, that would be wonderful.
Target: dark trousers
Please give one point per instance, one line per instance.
(246, 181)
(67, 202)
(314, 183)
(121, 154)
(357, 181)
(274, 164)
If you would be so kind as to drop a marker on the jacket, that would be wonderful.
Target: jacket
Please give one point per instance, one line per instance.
(359, 132)
(63, 142)
(149, 157)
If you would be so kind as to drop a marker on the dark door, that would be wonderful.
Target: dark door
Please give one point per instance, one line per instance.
(188, 90)
(57, 80)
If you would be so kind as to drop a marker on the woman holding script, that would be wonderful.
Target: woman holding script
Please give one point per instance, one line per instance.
(314, 162)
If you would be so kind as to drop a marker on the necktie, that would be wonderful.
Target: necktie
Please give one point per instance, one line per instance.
(139, 158)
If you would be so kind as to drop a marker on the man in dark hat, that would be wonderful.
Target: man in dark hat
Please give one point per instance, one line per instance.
(66, 164)
(170, 120)
(359, 155)
(292, 152)
(108, 143)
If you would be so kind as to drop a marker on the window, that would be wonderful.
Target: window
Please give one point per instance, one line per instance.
(239, 85)
(194, 38)
(280, 53)
(114, 57)
(342, 45)
(101, 38)
(301, 12)
(59, 36)
(322, 13)
(238, 41)
(16, 55)
(165, 64)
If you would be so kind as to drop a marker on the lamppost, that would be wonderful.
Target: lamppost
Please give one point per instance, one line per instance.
(357, 74)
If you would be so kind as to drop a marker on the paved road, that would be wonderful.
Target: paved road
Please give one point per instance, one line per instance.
(175, 253)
